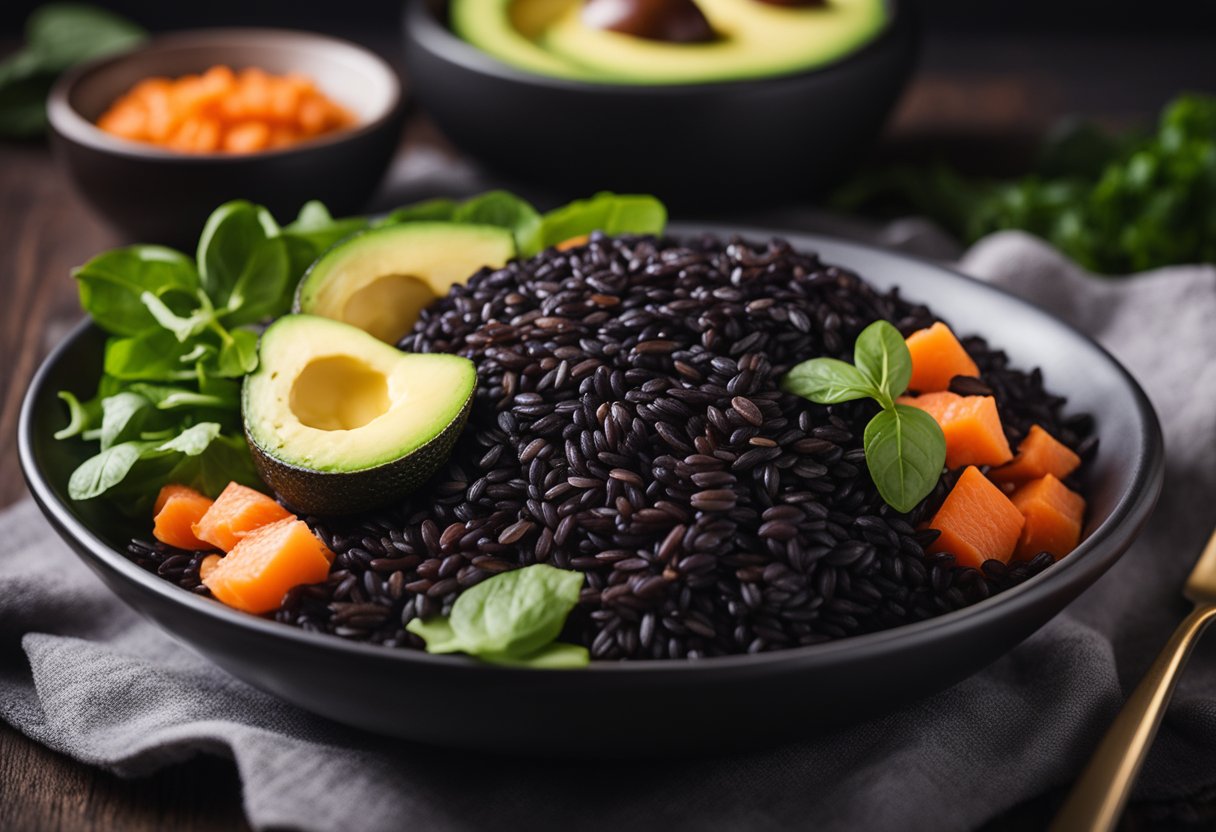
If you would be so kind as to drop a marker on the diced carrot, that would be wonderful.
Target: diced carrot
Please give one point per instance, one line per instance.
(1053, 515)
(1039, 454)
(977, 522)
(208, 138)
(177, 509)
(256, 574)
(247, 137)
(937, 357)
(237, 512)
(128, 120)
(573, 242)
(207, 566)
(971, 424)
(312, 116)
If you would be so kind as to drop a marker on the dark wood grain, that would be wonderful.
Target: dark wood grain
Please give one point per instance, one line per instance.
(979, 102)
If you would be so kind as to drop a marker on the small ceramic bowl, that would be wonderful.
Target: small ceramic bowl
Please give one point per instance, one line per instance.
(156, 195)
(693, 145)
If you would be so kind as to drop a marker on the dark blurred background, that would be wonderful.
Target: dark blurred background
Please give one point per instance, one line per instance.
(1184, 17)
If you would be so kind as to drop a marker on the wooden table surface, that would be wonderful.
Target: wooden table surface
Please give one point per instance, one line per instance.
(978, 101)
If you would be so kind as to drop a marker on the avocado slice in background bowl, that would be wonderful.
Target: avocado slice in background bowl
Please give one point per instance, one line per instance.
(380, 280)
(339, 422)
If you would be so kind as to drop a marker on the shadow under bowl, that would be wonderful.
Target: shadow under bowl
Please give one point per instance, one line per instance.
(693, 145)
(157, 195)
(627, 708)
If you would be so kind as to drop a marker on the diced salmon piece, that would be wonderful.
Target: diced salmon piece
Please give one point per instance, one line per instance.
(177, 510)
(971, 424)
(1053, 515)
(1039, 454)
(264, 565)
(237, 512)
(977, 522)
(937, 357)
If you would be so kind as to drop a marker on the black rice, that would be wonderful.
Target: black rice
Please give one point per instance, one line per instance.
(628, 424)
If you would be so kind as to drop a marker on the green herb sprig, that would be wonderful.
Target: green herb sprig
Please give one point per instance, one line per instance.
(905, 447)
(512, 618)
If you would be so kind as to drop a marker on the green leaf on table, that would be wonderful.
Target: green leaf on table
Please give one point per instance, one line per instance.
(607, 212)
(122, 418)
(827, 381)
(882, 355)
(905, 452)
(112, 286)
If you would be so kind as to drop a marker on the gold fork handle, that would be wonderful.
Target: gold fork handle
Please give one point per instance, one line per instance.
(1100, 794)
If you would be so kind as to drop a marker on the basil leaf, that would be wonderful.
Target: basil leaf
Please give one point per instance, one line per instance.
(100, 473)
(905, 452)
(504, 210)
(515, 612)
(112, 285)
(827, 381)
(193, 440)
(227, 250)
(607, 212)
(155, 355)
(882, 356)
(80, 416)
(122, 418)
(555, 656)
(437, 633)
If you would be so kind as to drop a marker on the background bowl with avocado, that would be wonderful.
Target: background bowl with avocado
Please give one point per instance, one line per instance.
(772, 102)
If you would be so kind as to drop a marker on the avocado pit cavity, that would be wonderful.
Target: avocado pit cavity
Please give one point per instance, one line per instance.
(672, 21)
(339, 392)
(388, 306)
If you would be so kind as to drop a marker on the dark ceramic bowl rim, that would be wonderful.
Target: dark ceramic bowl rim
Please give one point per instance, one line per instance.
(74, 127)
(425, 28)
(1094, 555)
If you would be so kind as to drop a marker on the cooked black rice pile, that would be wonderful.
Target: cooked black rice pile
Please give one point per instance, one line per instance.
(628, 424)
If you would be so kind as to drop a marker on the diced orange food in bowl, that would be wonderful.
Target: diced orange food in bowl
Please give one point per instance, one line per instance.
(207, 566)
(237, 512)
(264, 565)
(977, 522)
(1039, 454)
(224, 111)
(178, 508)
(1053, 515)
(971, 425)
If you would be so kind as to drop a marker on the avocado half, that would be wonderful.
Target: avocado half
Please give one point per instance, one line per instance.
(380, 280)
(339, 422)
(755, 39)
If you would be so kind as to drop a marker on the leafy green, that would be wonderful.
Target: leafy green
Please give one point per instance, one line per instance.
(58, 36)
(905, 452)
(1115, 204)
(107, 469)
(497, 208)
(113, 285)
(510, 618)
(313, 232)
(905, 448)
(607, 212)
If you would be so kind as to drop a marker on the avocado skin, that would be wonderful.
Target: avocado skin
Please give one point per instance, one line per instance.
(328, 493)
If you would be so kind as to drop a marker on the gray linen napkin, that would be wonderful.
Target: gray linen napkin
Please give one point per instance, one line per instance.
(87, 677)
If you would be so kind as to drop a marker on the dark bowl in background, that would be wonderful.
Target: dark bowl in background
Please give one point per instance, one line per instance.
(693, 145)
(157, 195)
(656, 706)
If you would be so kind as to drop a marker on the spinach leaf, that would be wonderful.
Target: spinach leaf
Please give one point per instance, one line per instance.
(168, 397)
(238, 354)
(154, 355)
(81, 416)
(312, 233)
(881, 354)
(905, 452)
(112, 286)
(504, 210)
(828, 381)
(107, 469)
(122, 418)
(607, 212)
(182, 327)
(510, 618)
(432, 210)
(233, 232)
(193, 440)
(264, 287)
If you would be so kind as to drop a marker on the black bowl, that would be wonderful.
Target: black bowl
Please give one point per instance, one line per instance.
(667, 705)
(691, 144)
(158, 195)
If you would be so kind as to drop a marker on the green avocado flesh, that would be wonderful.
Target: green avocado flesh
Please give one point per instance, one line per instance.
(340, 422)
(755, 39)
(382, 279)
